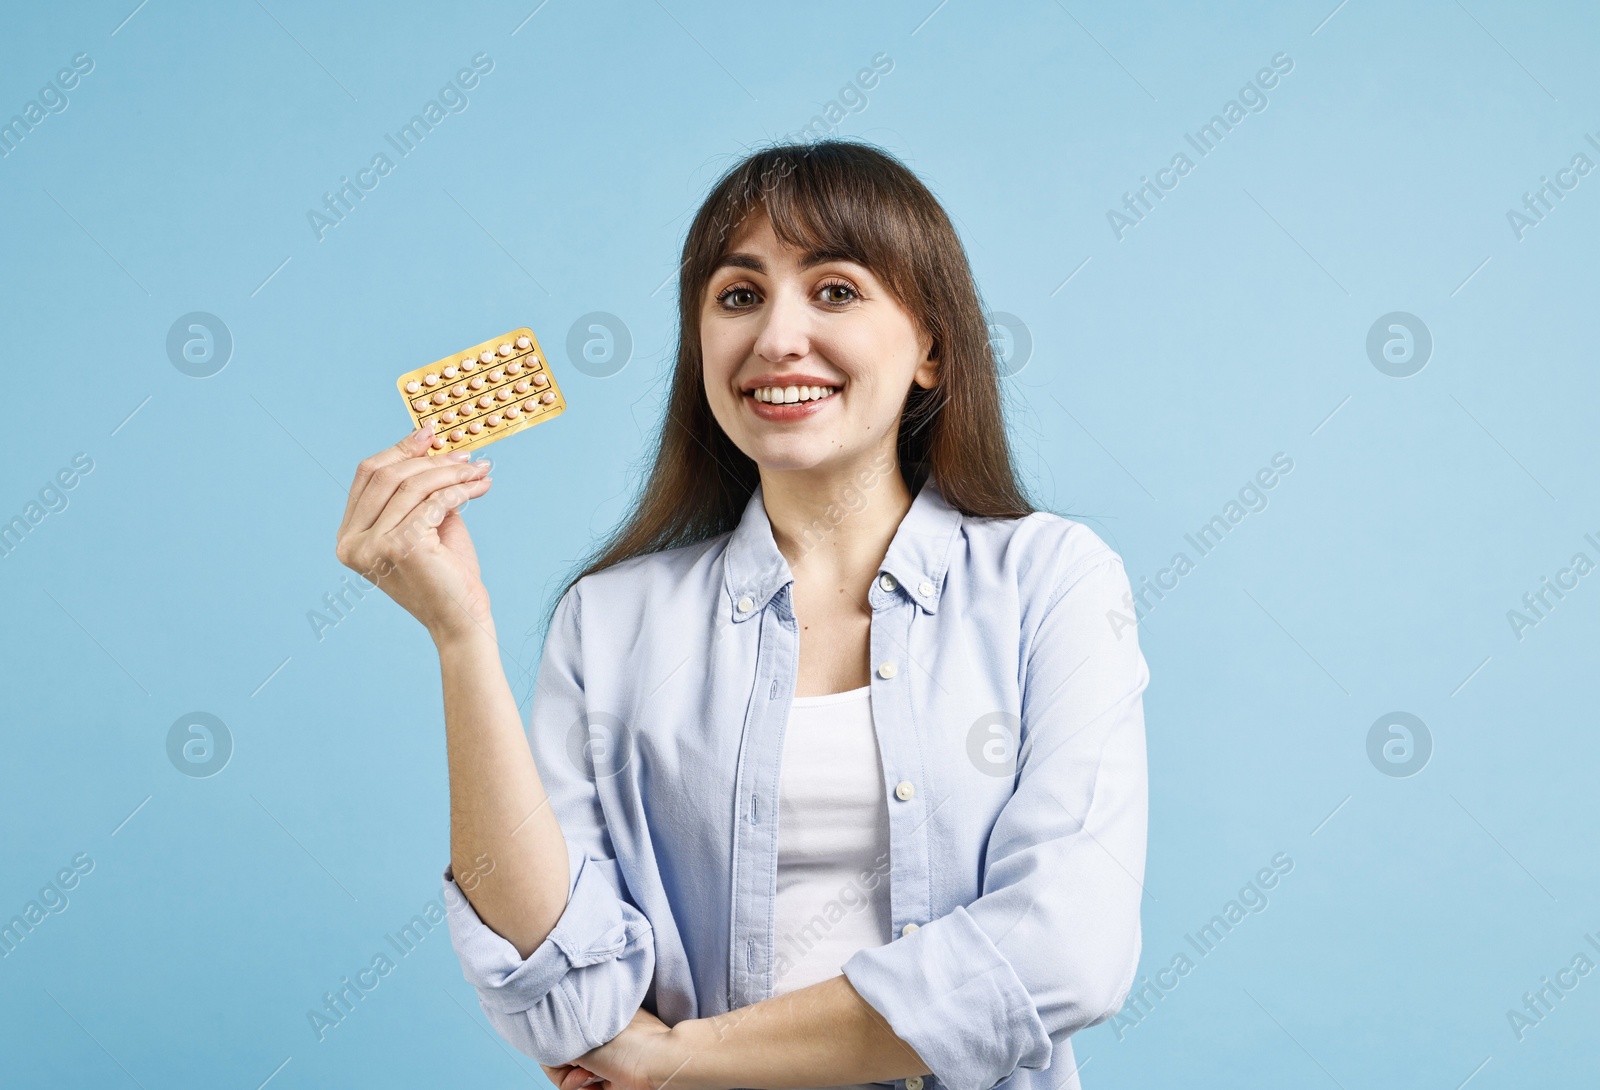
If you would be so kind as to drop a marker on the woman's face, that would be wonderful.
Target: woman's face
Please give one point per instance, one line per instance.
(776, 324)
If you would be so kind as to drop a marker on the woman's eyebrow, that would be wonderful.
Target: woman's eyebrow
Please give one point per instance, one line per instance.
(740, 260)
(818, 257)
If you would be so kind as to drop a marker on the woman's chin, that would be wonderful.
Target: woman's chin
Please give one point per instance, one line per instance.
(789, 461)
(824, 459)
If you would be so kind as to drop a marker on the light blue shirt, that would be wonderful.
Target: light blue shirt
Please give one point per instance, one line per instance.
(1007, 695)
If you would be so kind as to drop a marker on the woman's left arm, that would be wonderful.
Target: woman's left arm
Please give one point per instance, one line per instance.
(821, 1035)
(1052, 944)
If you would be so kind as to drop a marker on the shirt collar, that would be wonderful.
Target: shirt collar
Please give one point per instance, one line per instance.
(754, 569)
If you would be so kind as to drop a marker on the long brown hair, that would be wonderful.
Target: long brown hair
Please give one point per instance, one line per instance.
(859, 202)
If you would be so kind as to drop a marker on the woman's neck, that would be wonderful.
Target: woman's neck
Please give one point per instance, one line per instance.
(836, 523)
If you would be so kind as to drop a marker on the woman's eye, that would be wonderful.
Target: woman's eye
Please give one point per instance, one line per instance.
(838, 293)
(738, 298)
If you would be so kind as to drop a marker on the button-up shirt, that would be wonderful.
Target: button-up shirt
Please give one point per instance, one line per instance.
(1007, 697)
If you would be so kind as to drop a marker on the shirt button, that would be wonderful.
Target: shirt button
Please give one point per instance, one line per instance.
(746, 604)
(925, 589)
(910, 927)
(913, 1082)
(886, 581)
(887, 670)
(904, 790)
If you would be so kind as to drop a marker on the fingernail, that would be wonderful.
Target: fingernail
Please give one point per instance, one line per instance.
(459, 456)
(484, 463)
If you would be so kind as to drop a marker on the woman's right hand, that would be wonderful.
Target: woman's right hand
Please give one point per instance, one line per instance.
(401, 530)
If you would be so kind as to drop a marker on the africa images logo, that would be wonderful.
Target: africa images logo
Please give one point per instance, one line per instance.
(452, 99)
(1252, 99)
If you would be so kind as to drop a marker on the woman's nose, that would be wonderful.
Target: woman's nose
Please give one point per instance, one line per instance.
(785, 328)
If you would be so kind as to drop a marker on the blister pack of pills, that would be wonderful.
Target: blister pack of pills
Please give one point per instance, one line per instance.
(484, 393)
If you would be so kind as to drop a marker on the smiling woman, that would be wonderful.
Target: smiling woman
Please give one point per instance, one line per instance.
(839, 242)
(762, 829)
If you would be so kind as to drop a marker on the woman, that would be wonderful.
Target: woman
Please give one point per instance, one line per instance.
(835, 771)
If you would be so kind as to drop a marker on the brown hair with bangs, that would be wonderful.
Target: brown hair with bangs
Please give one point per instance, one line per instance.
(858, 202)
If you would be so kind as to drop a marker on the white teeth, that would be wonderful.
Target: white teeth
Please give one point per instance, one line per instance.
(785, 395)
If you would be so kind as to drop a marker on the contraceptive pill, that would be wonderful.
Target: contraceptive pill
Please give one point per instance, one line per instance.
(491, 403)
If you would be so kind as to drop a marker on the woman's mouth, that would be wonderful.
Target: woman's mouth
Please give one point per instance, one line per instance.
(788, 402)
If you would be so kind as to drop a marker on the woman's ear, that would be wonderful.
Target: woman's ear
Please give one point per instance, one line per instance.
(927, 372)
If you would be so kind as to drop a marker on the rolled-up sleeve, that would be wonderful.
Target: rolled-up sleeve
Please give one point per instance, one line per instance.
(581, 986)
(1051, 946)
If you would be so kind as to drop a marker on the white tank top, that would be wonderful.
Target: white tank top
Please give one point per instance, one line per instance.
(833, 839)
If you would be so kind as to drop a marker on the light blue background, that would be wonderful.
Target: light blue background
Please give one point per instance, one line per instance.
(1225, 328)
